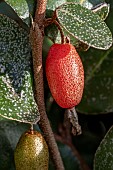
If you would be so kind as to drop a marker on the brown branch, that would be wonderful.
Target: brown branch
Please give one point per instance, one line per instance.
(36, 37)
(40, 12)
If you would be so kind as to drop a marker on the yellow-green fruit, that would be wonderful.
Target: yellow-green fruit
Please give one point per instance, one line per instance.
(31, 152)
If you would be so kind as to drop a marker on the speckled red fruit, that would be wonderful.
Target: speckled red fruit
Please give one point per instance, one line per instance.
(65, 75)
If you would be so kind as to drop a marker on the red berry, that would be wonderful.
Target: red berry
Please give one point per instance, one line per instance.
(65, 75)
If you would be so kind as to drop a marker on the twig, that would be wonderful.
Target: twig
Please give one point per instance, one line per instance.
(37, 36)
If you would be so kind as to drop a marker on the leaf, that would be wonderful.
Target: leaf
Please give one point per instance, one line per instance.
(16, 93)
(52, 4)
(68, 156)
(109, 20)
(102, 10)
(98, 91)
(51, 31)
(7, 10)
(6, 152)
(104, 154)
(90, 4)
(84, 25)
(23, 8)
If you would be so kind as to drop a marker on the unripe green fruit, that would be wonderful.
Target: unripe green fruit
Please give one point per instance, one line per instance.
(65, 75)
(31, 152)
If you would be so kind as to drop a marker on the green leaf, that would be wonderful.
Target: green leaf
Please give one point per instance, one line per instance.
(51, 31)
(91, 3)
(68, 156)
(102, 10)
(6, 152)
(104, 154)
(84, 25)
(23, 8)
(16, 93)
(98, 91)
(52, 4)
(109, 20)
(7, 10)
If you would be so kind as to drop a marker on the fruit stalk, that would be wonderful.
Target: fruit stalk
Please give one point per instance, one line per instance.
(73, 118)
(49, 21)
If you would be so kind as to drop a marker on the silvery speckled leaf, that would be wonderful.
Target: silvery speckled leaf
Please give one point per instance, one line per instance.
(23, 8)
(7, 10)
(104, 154)
(90, 3)
(16, 93)
(102, 10)
(52, 4)
(85, 25)
(99, 7)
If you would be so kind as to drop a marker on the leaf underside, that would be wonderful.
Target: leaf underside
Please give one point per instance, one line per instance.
(16, 93)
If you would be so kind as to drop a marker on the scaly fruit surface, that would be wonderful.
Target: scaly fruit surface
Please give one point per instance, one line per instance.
(65, 75)
(31, 152)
